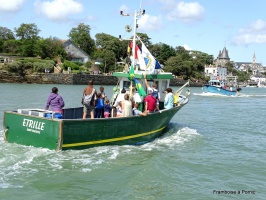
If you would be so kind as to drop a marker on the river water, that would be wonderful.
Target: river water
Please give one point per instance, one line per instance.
(214, 149)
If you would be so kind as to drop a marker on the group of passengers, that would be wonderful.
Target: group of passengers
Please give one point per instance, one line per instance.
(122, 105)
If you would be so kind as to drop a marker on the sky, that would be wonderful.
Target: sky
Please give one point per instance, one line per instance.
(203, 25)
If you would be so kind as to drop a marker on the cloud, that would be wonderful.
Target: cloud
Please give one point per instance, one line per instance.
(7, 6)
(253, 33)
(187, 47)
(186, 12)
(58, 10)
(150, 23)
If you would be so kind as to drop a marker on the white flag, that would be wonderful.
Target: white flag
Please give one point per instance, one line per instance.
(149, 60)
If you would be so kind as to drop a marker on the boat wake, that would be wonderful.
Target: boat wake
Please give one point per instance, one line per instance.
(252, 95)
(173, 138)
(25, 161)
(240, 95)
(207, 94)
(181, 136)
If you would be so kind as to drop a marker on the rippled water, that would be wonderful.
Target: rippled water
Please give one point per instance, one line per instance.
(214, 146)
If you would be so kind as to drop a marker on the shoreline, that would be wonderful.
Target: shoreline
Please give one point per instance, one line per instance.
(74, 79)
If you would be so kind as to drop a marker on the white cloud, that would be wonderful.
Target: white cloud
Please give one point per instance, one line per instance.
(58, 10)
(253, 33)
(187, 47)
(255, 27)
(187, 12)
(150, 23)
(10, 5)
(249, 39)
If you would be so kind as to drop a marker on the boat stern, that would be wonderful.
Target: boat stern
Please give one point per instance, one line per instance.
(32, 130)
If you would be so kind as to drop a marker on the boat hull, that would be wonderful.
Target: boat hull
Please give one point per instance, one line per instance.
(218, 90)
(64, 134)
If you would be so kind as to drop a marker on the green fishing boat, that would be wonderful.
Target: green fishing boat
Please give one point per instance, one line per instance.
(42, 128)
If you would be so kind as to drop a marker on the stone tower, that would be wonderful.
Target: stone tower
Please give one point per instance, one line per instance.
(222, 58)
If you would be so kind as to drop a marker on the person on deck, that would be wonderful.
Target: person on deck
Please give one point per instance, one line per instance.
(102, 93)
(107, 108)
(99, 108)
(150, 102)
(169, 99)
(118, 101)
(89, 93)
(103, 96)
(137, 112)
(154, 91)
(126, 106)
(55, 101)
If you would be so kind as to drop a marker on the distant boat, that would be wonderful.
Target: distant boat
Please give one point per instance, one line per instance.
(219, 87)
(259, 85)
(252, 84)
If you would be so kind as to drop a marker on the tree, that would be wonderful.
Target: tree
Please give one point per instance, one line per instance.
(28, 35)
(107, 42)
(11, 46)
(81, 37)
(109, 61)
(145, 39)
(27, 31)
(5, 35)
(50, 48)
(162, 52)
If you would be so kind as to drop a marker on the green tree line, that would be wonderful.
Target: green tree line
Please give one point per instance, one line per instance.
(25, 41)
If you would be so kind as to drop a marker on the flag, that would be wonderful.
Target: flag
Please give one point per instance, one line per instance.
(138, 55)
(139, 87)
(131, 73)
(150, 62)
(132, 77)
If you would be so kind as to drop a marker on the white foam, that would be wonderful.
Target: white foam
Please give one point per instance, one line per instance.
(176, 139)
(208, 94)
(232, 96)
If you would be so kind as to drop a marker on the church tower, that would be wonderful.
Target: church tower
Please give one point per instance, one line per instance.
(254, 58)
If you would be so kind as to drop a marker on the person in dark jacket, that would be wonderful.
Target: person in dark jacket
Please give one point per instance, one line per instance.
(55, 101)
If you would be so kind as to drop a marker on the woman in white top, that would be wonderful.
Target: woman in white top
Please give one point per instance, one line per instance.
(126, 106)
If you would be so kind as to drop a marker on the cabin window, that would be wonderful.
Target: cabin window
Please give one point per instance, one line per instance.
(126, 85)
(164, 85)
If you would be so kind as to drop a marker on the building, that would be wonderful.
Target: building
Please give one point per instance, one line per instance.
(75, 53)
(218, 70)
(223, 58)
(256, 68)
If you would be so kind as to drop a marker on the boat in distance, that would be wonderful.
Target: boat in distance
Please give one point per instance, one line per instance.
(45, 129)
(218, 87)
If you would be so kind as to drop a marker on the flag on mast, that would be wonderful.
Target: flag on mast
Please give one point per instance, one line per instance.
(150, 62)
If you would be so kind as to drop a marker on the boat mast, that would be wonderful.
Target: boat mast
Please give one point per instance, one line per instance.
(136, 15)
(134, 38)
